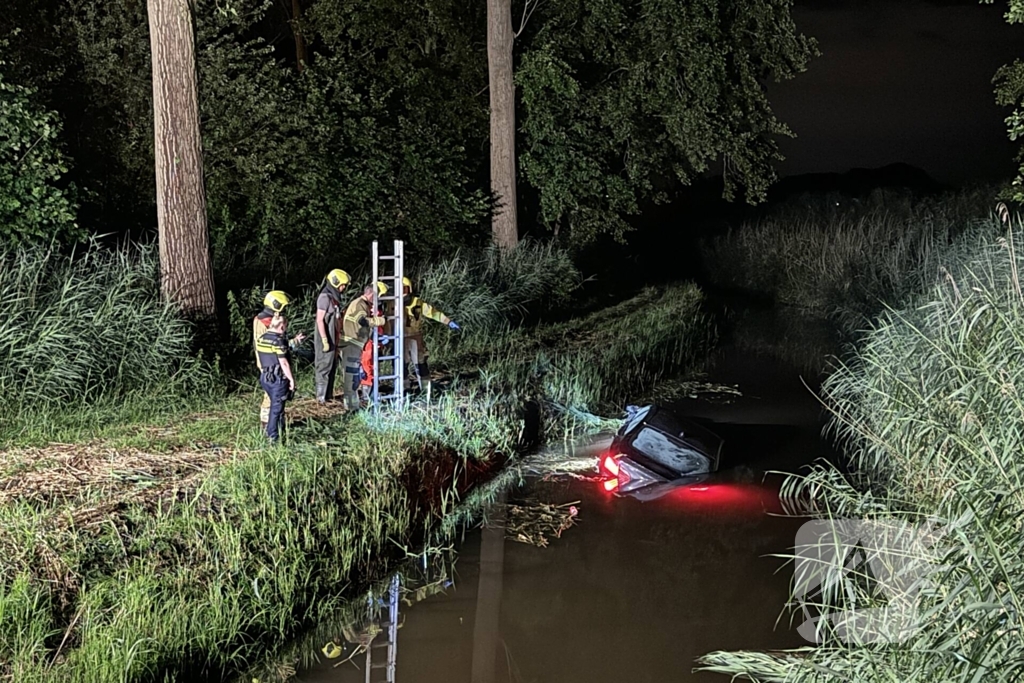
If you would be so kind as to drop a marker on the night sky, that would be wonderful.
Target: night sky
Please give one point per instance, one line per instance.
(900, 81)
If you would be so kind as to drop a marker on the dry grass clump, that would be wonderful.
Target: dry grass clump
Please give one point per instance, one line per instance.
(536, 523)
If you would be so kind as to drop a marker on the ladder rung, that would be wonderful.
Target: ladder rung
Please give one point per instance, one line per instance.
(380, 358)
(387, 377)
(386, 258)
(386, 643)
(379, 665)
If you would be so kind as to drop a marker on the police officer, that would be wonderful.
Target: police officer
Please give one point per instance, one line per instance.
(360, 319)
(328, 328)
(275, 373)
(273, 304)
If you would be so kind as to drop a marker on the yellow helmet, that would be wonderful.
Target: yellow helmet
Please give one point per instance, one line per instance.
(382, 288)
(276, 300)
(338, 278)
(406, 282)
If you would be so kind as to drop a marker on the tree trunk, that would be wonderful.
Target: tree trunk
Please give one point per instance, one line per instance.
(187, 275)
(503, 121)
(301, 54)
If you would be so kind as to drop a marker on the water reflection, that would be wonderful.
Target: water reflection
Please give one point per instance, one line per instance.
(488, 603)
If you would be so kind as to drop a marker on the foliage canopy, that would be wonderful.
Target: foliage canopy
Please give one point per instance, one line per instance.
(384, 133)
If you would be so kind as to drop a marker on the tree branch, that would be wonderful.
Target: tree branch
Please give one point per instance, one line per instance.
(528, 8)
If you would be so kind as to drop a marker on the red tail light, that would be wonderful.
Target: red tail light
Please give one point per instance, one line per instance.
(611, 484)
(610, 466)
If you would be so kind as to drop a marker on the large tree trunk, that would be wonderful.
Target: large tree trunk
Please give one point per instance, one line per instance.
(503, 121)
(187, 276)
(301, 54)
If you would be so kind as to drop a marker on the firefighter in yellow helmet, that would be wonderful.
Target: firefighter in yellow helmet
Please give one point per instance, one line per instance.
(328, 329)
(360, 319)
(273, 303)
(416, 311)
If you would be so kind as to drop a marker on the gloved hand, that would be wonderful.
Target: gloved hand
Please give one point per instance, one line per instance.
(453, 325)
(376, 321)
(384, 339)
(326, 343)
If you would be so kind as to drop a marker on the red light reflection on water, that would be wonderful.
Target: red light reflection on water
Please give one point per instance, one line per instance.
(724, 496)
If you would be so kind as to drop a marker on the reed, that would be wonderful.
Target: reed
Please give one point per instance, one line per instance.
(929, 412)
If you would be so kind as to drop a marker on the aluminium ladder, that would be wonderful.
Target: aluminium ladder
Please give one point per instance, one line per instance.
(391, 276)
(390, 642)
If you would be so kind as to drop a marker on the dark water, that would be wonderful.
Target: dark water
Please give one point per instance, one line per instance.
(635, 591)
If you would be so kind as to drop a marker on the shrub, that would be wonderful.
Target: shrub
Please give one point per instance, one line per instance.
(34, 206)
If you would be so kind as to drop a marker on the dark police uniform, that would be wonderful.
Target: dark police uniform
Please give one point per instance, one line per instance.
(271, 347)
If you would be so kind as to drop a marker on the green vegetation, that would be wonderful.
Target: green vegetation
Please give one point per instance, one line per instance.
(34, 205)
(847, 262)
(929, 409)
(83, 326)
(147, 532)
(384, 131)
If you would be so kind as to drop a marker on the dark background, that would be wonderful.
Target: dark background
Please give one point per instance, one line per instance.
(900, 81)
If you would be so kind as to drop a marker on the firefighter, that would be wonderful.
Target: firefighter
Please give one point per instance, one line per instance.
(273, 304)
(358, 328)
(328, 329)
(416, 311)
(366, 358)
(275, 372)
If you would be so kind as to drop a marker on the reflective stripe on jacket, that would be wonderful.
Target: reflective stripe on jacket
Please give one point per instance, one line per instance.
(271, 347)
(259, 328)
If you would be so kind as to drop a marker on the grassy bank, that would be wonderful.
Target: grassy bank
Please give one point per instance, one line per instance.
(847, 261)
(929, 411)
(149, 534)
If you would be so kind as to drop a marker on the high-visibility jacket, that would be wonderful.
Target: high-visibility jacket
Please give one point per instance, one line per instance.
(356, 328)
(416, 312)
(259, 328)
(271, 347)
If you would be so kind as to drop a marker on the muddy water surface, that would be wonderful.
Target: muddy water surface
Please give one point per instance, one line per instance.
(636, 590)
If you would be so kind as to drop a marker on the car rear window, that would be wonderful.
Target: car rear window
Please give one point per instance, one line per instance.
(670, 453)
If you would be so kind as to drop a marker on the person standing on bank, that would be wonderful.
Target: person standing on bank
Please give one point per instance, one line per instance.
(328, 329)
(275, 373)
(358, 328)
(273, 304)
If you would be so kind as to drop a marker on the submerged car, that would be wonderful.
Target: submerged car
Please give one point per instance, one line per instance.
(656, 450)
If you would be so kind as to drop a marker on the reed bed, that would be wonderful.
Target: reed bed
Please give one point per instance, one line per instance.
(846, 261)
(930, 412)
(89, 324)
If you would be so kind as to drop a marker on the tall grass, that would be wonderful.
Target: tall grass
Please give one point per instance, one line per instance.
(847, 261)
(206, 581)
(78, 327)
(931, 411)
